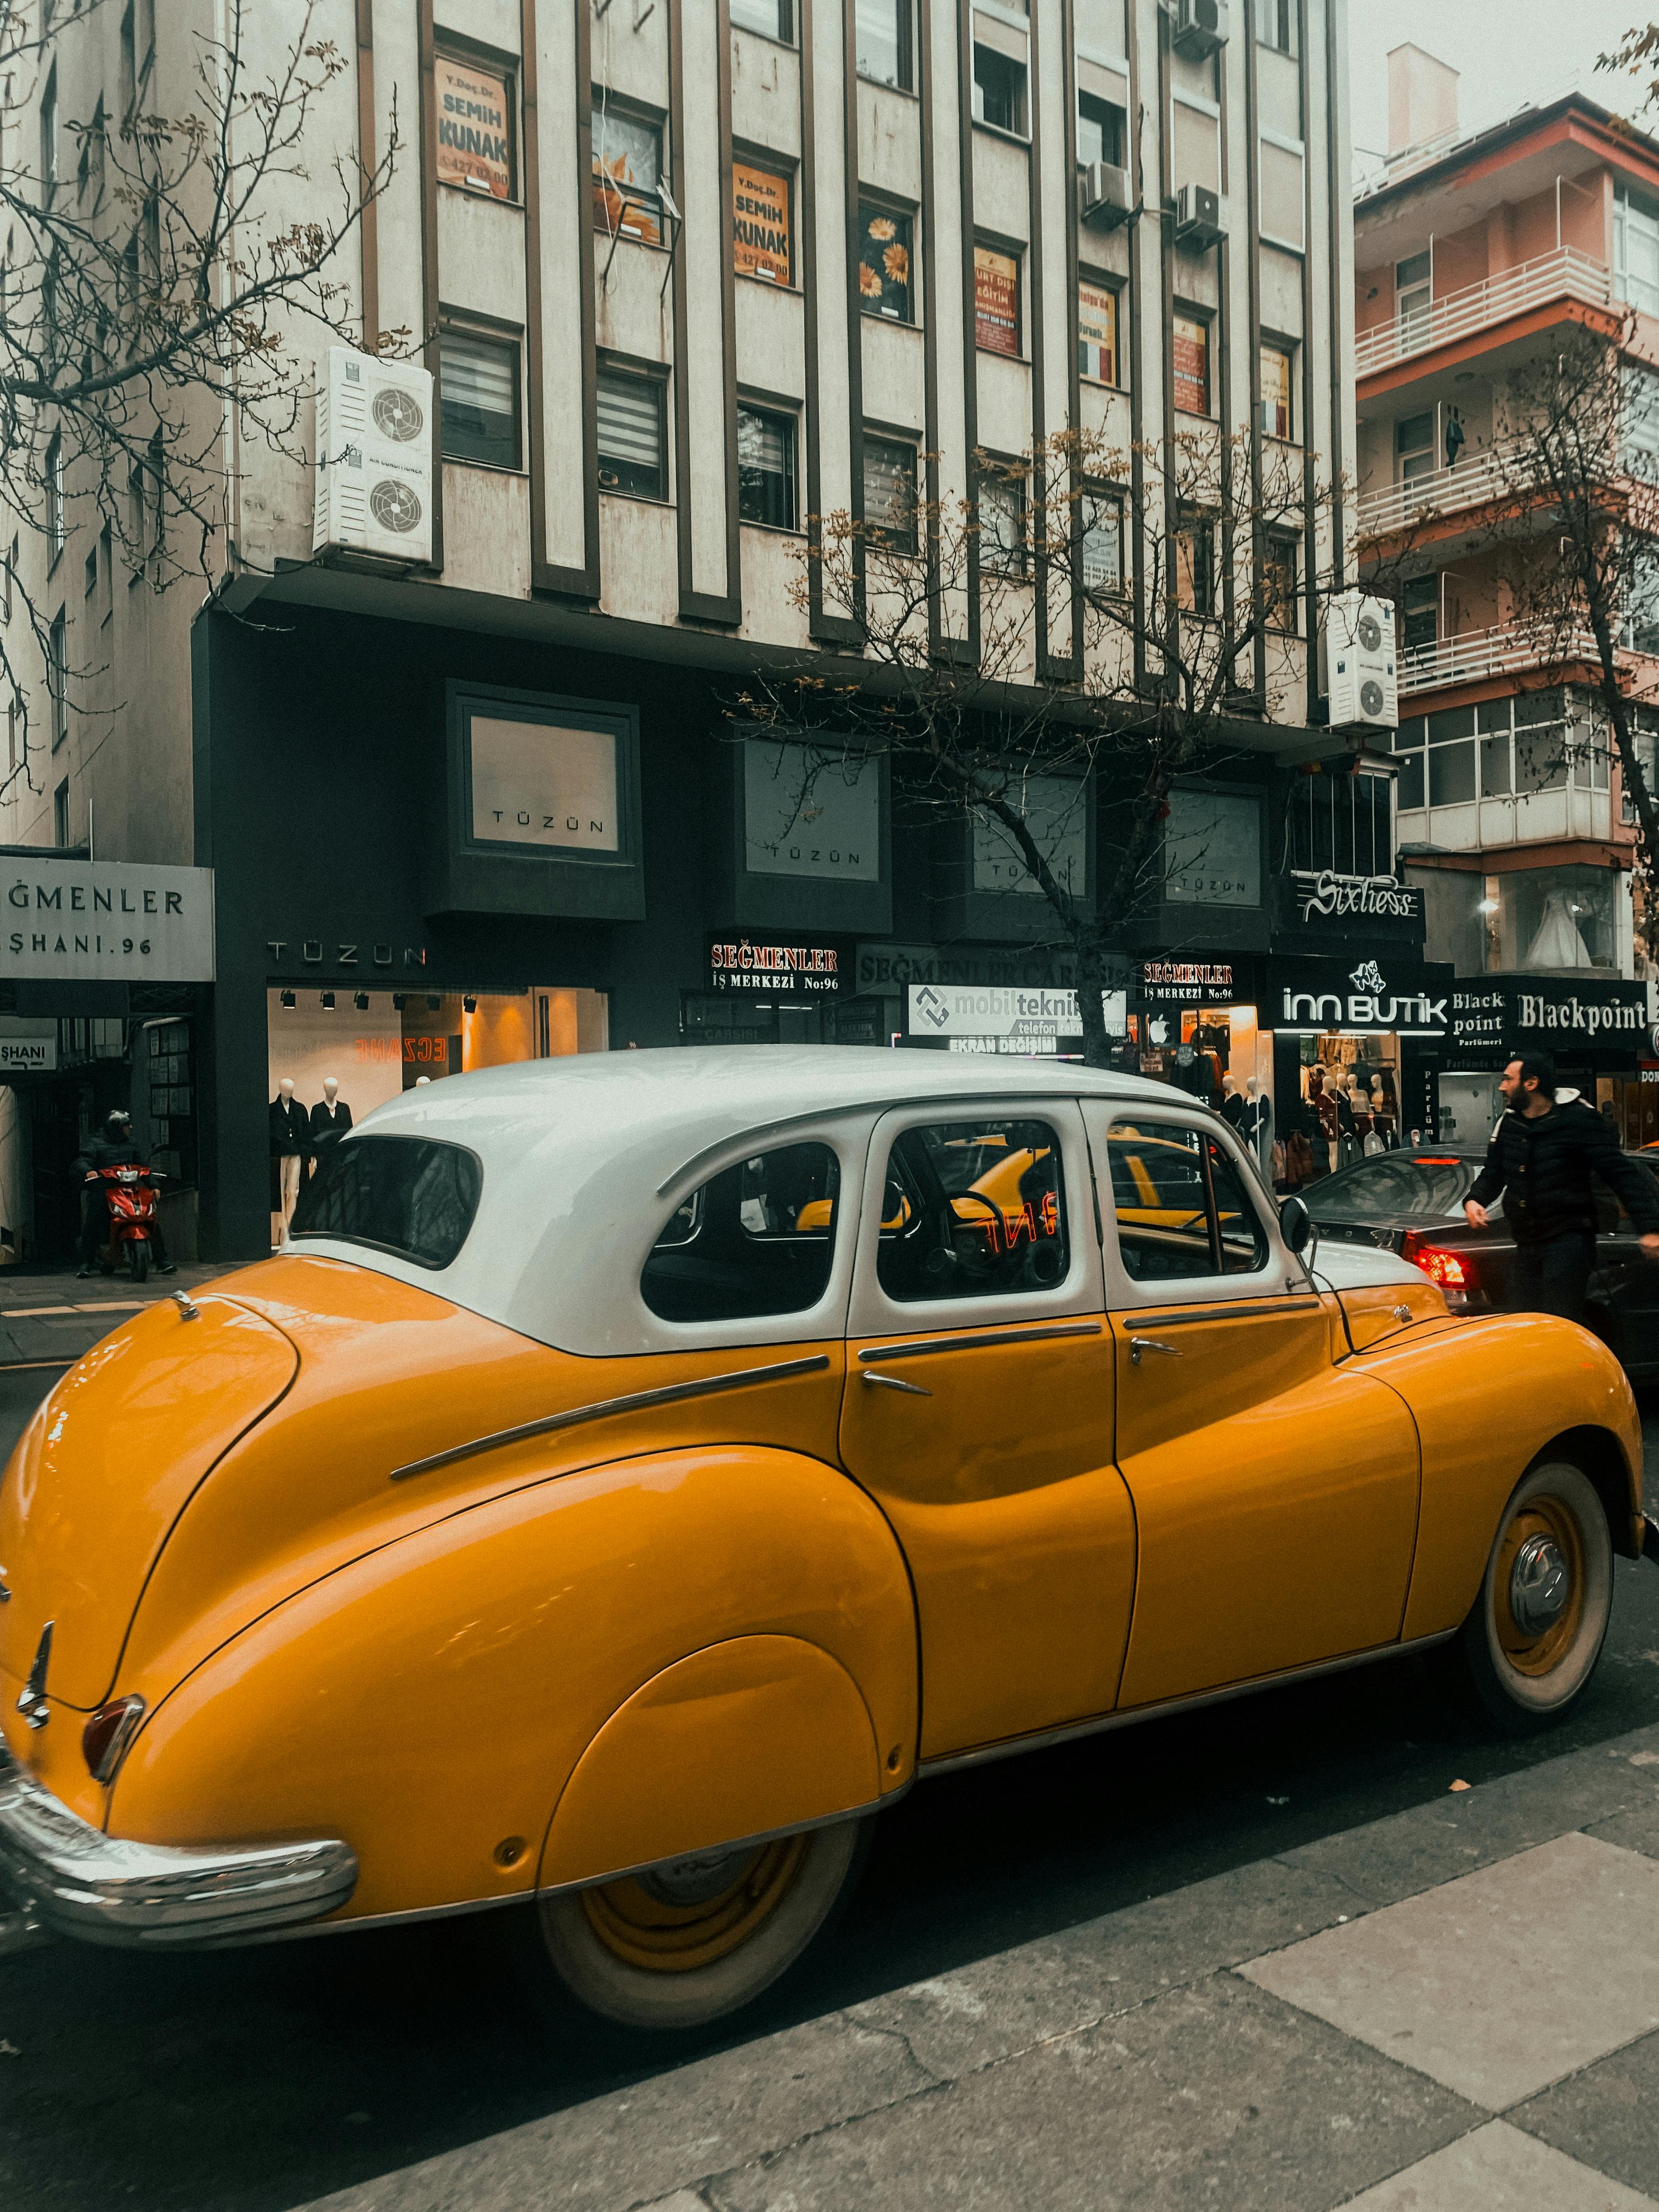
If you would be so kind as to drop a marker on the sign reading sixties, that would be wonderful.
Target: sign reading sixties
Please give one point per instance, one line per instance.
(1330, 897)
(770, 968)
(108, 921)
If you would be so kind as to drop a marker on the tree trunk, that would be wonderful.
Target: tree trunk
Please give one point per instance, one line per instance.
(1090, 983)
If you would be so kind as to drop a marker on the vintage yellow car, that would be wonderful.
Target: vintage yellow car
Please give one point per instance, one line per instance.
(641, 1469)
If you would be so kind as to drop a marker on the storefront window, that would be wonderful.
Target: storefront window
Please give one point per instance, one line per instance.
(1558, 918)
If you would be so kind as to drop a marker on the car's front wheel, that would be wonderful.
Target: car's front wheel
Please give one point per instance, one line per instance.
(1532, 1639)
(671, 1950)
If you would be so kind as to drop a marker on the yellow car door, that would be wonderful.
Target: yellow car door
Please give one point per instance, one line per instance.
(978, 1412)
(1275, 1492)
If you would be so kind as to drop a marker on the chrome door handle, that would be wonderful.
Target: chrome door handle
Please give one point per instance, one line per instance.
(1139, 1343)
(892, 1382)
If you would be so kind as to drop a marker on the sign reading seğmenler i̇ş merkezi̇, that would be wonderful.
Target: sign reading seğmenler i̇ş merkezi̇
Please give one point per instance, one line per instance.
(106, 921)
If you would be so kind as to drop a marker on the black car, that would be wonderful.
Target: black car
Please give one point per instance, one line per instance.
(1412, 1202)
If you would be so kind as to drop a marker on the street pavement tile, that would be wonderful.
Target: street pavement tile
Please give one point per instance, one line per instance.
(1500, 1982)
(1607, 2116)
(1215, 2094)
(633, 2145)
(1636, 1829)
(1406, 1853)
(1497, 2169)
(998, 2005)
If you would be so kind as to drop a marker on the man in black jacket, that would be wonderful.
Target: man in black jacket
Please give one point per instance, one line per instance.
(1542, 1154)
(112, 1147)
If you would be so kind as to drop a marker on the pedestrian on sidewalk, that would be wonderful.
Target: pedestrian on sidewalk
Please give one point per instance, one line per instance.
(1546, 1146)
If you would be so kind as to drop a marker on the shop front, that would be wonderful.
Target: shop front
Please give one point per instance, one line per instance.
(1597, 1032)
(1356, 1054)
(1194, 1023)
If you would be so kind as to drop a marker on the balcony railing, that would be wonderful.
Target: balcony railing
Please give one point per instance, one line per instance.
(1503, 650)
(1564, 273)
(1475, 482)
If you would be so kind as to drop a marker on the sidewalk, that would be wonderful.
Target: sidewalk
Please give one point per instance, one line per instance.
(53, 1318)
(1453, 2009)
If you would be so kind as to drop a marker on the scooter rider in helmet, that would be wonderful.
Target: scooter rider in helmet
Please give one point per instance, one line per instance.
(113, 1147)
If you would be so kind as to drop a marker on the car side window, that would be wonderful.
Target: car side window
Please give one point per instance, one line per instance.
(1161, 1199)
(973, 1209)
(758, 1238)
(1240, 1237)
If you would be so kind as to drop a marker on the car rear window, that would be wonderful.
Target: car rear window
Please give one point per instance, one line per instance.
(406, 1195)
(1431, 1187)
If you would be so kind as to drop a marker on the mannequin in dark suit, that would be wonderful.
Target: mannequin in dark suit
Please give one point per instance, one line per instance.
(290, 1140)
(331, 1117)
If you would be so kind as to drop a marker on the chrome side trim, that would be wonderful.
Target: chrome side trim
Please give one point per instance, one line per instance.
(72, 1878)
(706, 1386)
(1006, 1748)
(922, 1347)
(1246, 1309)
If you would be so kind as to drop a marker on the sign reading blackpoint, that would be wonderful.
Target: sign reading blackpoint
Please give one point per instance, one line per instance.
(106, 921)
(1495, 1018)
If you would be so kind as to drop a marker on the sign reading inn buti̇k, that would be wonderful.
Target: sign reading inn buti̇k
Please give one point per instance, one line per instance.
(116, 921)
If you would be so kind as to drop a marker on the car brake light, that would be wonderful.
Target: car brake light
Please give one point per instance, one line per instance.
(107, 1733)
(1440, 1266)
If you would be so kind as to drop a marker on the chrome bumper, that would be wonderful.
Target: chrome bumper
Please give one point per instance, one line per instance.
(71, 1879)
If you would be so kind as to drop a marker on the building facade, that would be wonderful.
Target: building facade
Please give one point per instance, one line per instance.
(685, 278)
(1475, 252)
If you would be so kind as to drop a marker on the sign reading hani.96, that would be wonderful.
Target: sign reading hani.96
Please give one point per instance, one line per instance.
(111, 920)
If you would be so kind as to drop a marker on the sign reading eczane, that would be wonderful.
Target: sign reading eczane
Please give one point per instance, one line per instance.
(109, 920)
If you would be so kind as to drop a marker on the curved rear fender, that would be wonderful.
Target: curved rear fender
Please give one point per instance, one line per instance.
(431, 1701)
(1488, 1400)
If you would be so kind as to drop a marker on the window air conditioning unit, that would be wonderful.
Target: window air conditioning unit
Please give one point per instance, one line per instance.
(373, 458)
(1103, 195)
(1359, 663)
(1200, 217)
(1201, 25)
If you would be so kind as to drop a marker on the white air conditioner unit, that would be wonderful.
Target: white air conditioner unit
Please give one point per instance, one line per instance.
(373, 458)
(1201, 25)
(1359, 662)
(1103, 195)
(1200, 217)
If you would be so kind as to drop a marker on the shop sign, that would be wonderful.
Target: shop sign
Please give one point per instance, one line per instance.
(1327, 896)
(774, 967)
(28, 1047)
(890, 969)
(543, 783)
(108, 921)
(1042, 1016)
(1185, 983)
(1409, 996)
(1212, 849)
(810, 813)
(1540, 1013)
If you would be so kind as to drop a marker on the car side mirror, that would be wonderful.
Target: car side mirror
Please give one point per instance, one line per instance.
(1296, 1225)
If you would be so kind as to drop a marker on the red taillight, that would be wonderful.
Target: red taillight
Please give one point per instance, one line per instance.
(107, 1733)
(1441, 1266)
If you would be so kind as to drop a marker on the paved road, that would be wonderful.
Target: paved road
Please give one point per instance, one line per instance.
(254, 2081)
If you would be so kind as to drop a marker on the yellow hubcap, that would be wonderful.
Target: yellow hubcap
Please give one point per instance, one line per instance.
(1539, 1588)
(697, 1911)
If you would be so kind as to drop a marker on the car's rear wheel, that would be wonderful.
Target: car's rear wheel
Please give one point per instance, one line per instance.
(1530, 1645)
(670, 1951)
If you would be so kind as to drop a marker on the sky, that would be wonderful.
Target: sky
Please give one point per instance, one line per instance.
(1505, 50)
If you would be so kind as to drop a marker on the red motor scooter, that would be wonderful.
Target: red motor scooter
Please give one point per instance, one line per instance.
(132, 1196)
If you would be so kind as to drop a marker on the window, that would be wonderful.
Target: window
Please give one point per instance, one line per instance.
(1276, 25)
(889, 491)
(12, 719)
(757, 1238)
(137, 544)
(760, 223)
(886, 285)
(1100, 551)
(90, 587)
(475, 126)
(1055, 811)
(1240, 1237)
(1102, 129)
(1280, 607)
(129, 62)
(1413, 447)
(9, 577)
(1636, 249)
(1419, 613)
(996, 300)
(999, 90)
(54, 499)
(1195, 554)
(1100, 30)
(766, 467)
(1002, 523)
(1192, 364)
(478, 394)
(60, 814)
(57, 676)
(626, 170)
(406, 1195)
(105, 562)
(1343, 823)
(1408, 746)
(1451, 758)
(1281, 190)
(1413, 280)
(772, 19)
(1097, 332)
(49, 139)
(882, 37)
(1639, 632)
(1161, 1197)
(633, 433)
(1278, 411)
(973, 1209)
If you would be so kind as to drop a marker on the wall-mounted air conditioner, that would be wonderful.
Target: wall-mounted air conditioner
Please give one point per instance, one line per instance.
(1200, 217)
(1201, 25)
(1103, 195)
(373, 458)
(1358, 662)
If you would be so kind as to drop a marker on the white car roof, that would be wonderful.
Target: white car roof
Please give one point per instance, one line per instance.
(581, 1157)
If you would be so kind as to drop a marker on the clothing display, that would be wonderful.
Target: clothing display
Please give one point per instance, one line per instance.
(290, 1140)
(329, 1123)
